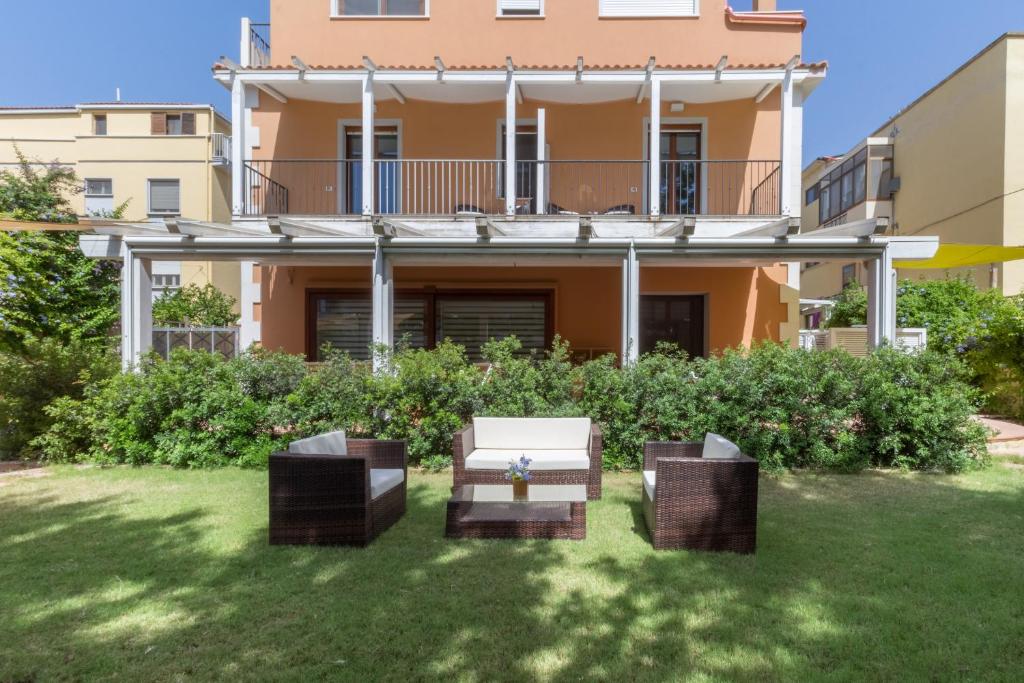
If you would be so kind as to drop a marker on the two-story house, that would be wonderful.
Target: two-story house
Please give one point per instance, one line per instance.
(616, 172)
(948, 165)
(154, 161)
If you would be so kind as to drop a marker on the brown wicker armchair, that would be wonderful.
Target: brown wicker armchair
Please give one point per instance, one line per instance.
(699, 503)
(588, 474)
(337, 499)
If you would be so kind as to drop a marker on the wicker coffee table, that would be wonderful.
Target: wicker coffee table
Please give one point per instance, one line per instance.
(488, 511)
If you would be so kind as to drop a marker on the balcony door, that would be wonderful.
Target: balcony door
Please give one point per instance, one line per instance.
(681, 170)
(526, 165)
(386, 174)
(675, 319)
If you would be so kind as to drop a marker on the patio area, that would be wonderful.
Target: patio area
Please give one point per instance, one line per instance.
(152, 573)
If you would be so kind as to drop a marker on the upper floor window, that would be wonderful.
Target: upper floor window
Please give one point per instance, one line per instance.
(99, 124)
(381, 8)
(162, 123)
(164, 197)
(520, 8)
(649, 8)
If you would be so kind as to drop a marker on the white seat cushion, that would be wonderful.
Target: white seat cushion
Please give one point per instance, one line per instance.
(719, 448)
(382, 481)
(547, 459)
(332, 443)
(649, 481)
(531, 433)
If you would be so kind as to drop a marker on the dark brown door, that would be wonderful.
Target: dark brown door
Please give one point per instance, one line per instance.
(680, 172)
(676, 319)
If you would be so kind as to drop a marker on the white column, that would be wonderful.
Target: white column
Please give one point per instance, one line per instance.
(383, 304)
(881, 301)
(510, 145)
(542, 139)
(791, 151)
(238, 146)
(245, 53)
(630, 307)
(251, 295)
(368, 145)
(654, 173)
(136, 307)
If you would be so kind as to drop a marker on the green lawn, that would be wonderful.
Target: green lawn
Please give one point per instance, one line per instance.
(153, 574)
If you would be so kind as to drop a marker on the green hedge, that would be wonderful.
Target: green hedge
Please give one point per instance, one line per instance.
(786, 407)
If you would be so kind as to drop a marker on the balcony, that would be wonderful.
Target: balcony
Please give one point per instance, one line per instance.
(454, 187)
(220, 149)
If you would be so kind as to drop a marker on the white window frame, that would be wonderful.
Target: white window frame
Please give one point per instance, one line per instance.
(602, 15)
(85, 189)
(539, 15)
(336, 13)
(149, 197)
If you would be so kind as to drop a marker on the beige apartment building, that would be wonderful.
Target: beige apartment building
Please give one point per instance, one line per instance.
(158, 161)
(949, 165)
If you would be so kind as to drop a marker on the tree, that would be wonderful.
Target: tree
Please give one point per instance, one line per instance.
(48, 287)
(851, 307)
(195, 306)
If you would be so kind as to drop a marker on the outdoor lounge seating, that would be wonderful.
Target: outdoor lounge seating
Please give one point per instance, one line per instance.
(563, 451)
(329, 490)
(700, 496)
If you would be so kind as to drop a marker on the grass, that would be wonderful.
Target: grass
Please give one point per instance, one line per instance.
(153, 574)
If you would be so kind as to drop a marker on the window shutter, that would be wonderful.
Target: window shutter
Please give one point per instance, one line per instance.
(345, 324)
(164, 196)
(158, 123)
(648, 8)
(472, 322)
(188, 123)
(519, 6)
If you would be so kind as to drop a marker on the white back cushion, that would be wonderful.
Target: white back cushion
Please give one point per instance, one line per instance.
(332, 443)
(719, 448)
(531, 433)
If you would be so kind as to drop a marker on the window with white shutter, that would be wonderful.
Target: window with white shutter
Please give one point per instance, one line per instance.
(520, 8)
(649, 8)
(165, 197)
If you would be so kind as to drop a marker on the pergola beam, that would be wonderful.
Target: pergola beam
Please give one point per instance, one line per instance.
(301, 66)
(765, 92)
(648, 75)
(684, 227)
(864, 228)
(720, 68)
(272, 92)
(486, 228)
(579, 69)
(439, 65)
(784, 227)
(388, 228)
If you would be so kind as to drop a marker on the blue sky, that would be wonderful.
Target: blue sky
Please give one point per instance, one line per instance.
(883, 53)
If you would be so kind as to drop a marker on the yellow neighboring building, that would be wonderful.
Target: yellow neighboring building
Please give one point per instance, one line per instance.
(164, 160)
(951, 165)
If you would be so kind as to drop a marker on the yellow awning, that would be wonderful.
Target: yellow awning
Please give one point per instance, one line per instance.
(964, 256)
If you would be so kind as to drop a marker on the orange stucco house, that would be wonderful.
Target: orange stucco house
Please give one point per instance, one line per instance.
(617, 172)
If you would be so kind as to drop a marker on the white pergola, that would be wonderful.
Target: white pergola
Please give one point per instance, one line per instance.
(382, 243)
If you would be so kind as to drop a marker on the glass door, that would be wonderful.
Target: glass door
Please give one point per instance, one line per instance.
(676, 319)
(387, 172)
(680, 171)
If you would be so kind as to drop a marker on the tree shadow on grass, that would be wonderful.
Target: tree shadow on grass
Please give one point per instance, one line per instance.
(855, 577)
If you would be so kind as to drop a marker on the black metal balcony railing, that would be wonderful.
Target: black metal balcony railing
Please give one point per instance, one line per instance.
(444, 187)
(259, 45)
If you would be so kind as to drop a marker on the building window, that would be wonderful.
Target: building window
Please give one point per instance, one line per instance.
(99, 196)
(165, 197)
(99, 124)
(520, 8)
(672, 319)
(380, 8)
(165, 284)
(162, 123)
(811, 195)
(843, 188)
(849, 274)
(344, 321)
(649, 8)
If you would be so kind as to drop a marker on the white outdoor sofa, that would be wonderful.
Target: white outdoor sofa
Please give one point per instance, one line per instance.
(563, 451)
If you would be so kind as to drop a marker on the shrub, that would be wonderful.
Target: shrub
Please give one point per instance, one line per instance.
(30, 380)
(425, 397)
(786, 407)
(196, 306)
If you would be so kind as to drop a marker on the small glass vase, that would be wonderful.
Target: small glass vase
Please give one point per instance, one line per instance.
(520, 490)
